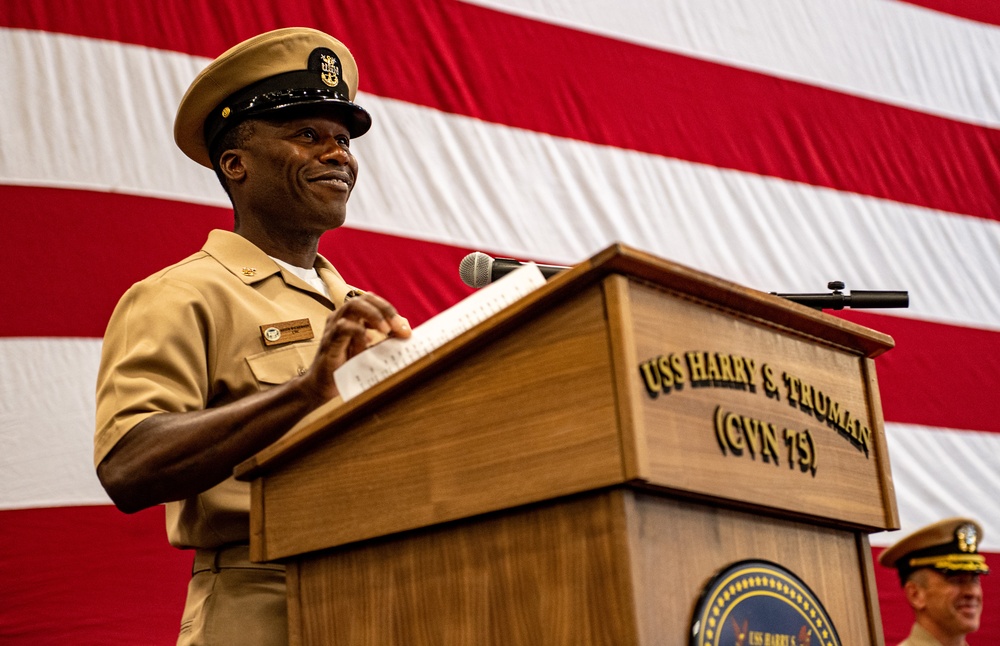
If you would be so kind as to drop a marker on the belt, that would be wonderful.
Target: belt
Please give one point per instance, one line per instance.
(230, 556)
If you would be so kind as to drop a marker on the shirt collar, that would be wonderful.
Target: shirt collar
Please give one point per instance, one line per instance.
(920, 636)
(240, 256)
(249, 263)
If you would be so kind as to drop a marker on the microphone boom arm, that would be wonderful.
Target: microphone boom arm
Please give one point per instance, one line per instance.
(857, 299)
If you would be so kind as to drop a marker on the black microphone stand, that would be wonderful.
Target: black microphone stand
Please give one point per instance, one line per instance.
(857, 299)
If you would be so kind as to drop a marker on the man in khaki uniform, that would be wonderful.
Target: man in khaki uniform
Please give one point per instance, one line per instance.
(939, 567)
(210, 360)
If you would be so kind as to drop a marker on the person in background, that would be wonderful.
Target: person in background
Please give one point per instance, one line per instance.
(939, 568)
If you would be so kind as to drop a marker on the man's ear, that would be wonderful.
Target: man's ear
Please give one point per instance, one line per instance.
(914, 595)
(231, 165)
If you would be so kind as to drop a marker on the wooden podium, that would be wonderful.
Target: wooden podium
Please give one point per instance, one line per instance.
(578, 467)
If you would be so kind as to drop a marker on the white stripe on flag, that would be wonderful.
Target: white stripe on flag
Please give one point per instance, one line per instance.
(47, 422)
(940, 473)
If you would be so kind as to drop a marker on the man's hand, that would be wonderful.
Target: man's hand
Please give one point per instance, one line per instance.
(346, 334)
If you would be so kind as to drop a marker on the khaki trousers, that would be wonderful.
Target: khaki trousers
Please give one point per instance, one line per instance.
(233, 602)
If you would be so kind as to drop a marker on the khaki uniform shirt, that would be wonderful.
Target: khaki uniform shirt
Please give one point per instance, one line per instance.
(189, 338)
(920, 637)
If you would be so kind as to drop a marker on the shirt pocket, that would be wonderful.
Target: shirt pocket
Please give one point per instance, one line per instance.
(277, 366)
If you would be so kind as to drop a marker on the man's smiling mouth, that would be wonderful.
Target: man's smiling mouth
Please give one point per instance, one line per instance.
(341, 181)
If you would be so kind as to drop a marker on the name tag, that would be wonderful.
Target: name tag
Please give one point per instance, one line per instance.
(286, 332)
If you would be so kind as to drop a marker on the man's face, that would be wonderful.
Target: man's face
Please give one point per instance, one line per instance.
(299, 173)
(953, 603)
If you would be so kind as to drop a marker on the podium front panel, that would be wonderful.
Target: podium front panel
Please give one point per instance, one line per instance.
(614, 568)
(734, 407)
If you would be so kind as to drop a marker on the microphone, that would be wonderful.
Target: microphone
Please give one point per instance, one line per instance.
(479, 270)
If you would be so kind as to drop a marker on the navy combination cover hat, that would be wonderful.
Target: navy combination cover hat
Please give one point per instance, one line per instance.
(282, 69)
(948, 546)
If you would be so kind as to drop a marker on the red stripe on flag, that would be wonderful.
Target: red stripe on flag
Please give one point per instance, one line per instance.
(937, 375)
(932, 377)
(69, 266)
(987, 11)
(90, 576)
(515, 71)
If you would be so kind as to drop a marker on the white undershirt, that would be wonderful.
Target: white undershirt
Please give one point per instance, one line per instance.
(310, 275)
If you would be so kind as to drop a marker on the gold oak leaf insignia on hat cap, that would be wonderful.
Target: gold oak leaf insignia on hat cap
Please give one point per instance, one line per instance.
(967, 537)
(949, 546)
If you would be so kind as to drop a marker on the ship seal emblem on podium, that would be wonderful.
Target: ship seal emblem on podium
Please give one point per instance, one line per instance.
(759, 603)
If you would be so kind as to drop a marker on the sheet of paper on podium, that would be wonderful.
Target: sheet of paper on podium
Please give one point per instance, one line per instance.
(380, 361)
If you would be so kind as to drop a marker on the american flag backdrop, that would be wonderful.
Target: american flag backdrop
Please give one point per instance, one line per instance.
(780, 144)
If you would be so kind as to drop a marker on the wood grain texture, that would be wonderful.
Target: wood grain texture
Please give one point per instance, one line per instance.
(613, 567)
(554, 574)
(677, 547)
(868, 579)
(621, 339)
(529, 417)
(881, 446)
(644, 267)
(684, 450)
